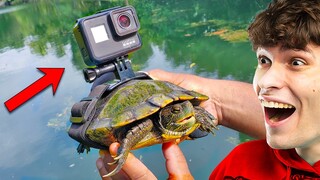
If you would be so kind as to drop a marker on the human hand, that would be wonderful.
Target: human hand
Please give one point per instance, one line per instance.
(133, 168)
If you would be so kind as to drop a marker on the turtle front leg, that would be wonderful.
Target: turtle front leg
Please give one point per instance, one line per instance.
(132, 137)
(206, 120)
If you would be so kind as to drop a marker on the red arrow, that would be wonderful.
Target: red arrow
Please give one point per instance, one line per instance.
(52, 77)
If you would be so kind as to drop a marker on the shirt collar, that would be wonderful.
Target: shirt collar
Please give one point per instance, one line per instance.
(291, 159)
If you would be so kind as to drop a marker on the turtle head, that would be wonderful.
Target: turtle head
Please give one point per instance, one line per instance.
(177, 119)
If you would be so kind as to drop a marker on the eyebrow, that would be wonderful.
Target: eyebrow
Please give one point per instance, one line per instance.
(306, 49)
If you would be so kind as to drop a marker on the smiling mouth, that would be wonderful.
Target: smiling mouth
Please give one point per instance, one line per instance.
(187, 120)
(276, 111)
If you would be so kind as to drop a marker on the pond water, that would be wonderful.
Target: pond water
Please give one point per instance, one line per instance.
(202, 37)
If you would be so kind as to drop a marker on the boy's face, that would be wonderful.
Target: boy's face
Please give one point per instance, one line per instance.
(287, 83)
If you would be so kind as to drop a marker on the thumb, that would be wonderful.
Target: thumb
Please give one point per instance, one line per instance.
(159, 74)
(176, 163)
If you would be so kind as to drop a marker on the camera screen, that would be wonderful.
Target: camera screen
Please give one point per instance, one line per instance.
(99, 34)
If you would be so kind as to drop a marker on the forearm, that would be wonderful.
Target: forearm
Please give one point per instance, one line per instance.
(239, 107)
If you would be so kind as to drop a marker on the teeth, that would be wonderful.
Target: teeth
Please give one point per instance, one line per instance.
(272, 104)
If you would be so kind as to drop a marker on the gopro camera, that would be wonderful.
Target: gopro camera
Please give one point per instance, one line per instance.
(106, 38)
(107, 35)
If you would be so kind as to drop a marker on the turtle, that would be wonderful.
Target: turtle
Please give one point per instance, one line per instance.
(142, 113)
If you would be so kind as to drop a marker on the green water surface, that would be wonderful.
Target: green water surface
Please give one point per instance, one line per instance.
(202, 37)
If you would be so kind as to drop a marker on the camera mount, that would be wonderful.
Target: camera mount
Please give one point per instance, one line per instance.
(121, 67)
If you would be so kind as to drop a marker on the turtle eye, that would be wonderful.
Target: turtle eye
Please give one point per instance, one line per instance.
(176, 109)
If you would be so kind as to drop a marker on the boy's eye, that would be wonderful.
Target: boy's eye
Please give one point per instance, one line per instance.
(297, 62)
(264, 60)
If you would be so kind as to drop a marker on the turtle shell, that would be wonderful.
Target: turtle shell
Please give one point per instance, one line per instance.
(138, 99)
(134, 101)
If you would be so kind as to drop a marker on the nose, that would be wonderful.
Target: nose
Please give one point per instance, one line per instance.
(272, 78)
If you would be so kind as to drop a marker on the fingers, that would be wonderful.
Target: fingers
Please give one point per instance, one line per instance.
(113, 149)
(132, 169)
(188, 81)
(135, 169)
(174, 78)
(176, 163)
(101, 168)
(104, 168)
(159, 74)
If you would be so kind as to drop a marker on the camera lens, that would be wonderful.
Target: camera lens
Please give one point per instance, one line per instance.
(124, 21)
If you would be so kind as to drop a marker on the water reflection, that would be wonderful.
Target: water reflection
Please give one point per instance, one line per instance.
(29, 147)
(34, 142)
(11, 9)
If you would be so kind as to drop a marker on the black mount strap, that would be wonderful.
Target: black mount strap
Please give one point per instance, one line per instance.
(83, 112)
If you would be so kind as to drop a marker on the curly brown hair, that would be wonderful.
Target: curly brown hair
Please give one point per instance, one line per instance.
(291, 23)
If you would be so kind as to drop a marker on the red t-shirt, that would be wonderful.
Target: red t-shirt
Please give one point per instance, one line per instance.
(256, 160)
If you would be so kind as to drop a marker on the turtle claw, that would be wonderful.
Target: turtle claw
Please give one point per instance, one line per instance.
(206, 119)
(112, 163)
(212, 132)
(119, 161)
(113, 172)
(118, 157)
